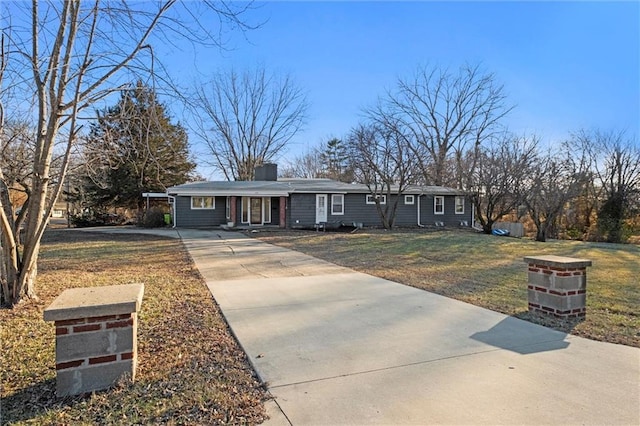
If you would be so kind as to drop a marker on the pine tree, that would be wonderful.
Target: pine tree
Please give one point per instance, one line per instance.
(334, 159)
(133, 148)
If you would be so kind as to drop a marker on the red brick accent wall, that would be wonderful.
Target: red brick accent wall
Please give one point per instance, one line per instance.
(77, 328)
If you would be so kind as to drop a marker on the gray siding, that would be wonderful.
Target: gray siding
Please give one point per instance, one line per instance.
(302, 210)
(357, 210)
(186, 217)
(450, 218)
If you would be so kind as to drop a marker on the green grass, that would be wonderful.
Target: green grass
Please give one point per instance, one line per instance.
(190, 368)
(488, 271)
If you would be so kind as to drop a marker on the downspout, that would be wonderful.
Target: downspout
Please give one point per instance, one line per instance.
(473, 215)
(173, 209)
(419, 224)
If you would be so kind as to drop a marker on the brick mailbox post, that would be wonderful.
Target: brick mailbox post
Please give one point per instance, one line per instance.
(96, 336)
(558, 285)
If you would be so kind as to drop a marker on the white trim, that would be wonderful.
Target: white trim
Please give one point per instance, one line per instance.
(321, 216)
(435, 204)
(459, 197)
(266, 210)
(370, 199)
(202, 204)
(341, 204)
(413, 199)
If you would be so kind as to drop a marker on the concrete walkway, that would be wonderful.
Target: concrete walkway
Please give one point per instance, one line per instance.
(340, 347)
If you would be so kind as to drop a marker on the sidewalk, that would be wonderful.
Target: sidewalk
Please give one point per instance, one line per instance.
(340, 347)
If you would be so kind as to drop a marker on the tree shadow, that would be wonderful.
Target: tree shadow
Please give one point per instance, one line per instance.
(33, 401)
(527, 333)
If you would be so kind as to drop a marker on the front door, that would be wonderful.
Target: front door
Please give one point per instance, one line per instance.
(256, 211)
(321, 208)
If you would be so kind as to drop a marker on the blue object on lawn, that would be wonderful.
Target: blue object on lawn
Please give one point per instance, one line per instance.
(500, 232)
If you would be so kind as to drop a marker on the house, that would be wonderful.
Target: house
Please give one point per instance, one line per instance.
(305, 203)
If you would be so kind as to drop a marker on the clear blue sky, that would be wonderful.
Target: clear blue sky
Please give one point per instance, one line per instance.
(565, 65)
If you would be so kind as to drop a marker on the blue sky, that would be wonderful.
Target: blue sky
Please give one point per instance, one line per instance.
(564, 65)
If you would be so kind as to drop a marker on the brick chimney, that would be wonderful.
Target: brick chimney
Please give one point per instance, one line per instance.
(267, 171)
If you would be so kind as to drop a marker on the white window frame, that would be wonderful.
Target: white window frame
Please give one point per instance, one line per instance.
(371, 199)
(335, 204)
(410, 199)
(435, 204)
(461, 204)
(227, 208)
(266, 209)
(202, 203)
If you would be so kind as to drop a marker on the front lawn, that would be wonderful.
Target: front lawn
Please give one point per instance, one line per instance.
(190, 368)
(487, 271)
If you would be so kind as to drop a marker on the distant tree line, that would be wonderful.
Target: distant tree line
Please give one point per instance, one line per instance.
(445, 128)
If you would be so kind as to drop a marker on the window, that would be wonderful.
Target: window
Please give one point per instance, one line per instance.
(337, 204)
(438, 204)
(203, 203)
(371, 199)
(227, 208)
(459, 205)
(409, 199)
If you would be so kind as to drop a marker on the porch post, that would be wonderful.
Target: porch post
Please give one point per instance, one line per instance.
(283, 212)
(232, 210)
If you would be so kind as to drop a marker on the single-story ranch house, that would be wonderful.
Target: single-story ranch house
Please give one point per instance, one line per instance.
(307, 203)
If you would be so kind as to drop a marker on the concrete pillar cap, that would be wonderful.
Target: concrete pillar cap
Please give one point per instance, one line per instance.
(558, 261)
(89, 302)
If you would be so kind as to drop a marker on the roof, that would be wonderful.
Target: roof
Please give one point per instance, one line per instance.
(286, 187)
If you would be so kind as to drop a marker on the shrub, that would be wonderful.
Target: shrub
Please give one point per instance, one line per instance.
(153, 218)
(89, 219)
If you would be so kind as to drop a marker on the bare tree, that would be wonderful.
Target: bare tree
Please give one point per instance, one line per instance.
(446, 113)
(307, 165)
(67, 56)
(381, 159)
(616, 168)
(498, 179)
(248, 119)
(16, 154)
(553, 183)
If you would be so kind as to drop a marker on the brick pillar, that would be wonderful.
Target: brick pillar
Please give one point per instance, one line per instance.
(283, 212)
(557, 285)
(96, 336)
(232, 211)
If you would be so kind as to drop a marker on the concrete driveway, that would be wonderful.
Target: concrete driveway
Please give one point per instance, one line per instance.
(339, 347)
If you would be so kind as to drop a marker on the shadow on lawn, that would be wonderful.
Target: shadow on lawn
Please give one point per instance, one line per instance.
(33, 401)
(527, 333)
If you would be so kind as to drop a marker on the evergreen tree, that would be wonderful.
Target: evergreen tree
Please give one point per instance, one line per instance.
(335, 161)
(133, 148)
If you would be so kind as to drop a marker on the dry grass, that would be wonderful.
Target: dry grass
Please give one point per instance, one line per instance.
(190, 368)
(487, 271)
